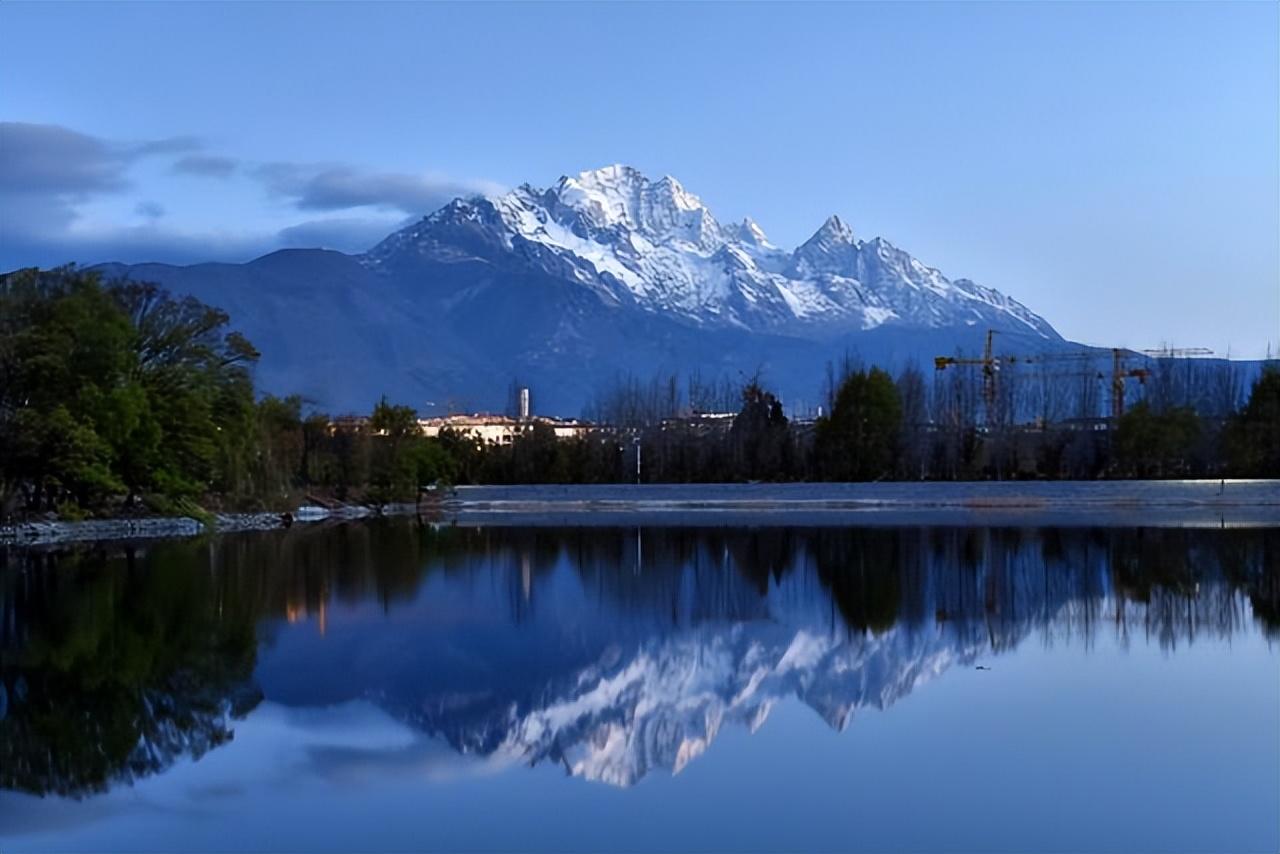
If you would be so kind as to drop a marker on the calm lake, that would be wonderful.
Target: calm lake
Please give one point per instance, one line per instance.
(392, 685)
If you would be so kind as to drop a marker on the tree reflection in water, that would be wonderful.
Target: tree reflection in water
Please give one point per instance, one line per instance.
(115, 661)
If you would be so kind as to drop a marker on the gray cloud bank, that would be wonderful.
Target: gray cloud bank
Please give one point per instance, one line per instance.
(54, 160)
(48, 171)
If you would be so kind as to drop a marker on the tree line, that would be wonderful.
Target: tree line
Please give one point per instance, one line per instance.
(117, 397)
(1193, 420)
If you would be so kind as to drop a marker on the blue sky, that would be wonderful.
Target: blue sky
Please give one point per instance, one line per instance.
(1113, 166)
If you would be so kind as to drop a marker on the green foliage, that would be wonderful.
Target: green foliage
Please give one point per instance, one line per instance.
(1252, 437)
(66, 360)
(394, 462)
(394, 422)
(433, 463)
(760, 438)
(99, 679)
(1155, 444)
(859, 439)
(116, 391)
(537, 456)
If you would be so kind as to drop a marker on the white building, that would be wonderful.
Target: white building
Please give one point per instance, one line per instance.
(500, 429)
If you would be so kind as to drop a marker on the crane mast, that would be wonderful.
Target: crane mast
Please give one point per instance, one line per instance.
(989, 365)
(1121, 373)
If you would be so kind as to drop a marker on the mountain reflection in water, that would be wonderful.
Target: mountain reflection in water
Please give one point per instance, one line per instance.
(609, 652)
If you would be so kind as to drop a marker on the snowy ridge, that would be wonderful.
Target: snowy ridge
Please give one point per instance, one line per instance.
(653, 244)
(666, 705)
(659, 701)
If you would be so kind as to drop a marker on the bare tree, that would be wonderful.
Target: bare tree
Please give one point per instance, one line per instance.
(913, 461)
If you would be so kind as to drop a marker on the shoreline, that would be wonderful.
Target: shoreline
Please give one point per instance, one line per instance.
(57, 532)
(1185, 503)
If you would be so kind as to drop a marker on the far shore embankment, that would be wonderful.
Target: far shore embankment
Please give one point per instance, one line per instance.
(1117, 503)
(1123, 503)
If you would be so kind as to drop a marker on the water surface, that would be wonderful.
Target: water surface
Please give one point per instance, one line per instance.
(397, 686)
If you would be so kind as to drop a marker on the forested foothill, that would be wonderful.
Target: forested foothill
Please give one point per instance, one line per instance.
(118, 398)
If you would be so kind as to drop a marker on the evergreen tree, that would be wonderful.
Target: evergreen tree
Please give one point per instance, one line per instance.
(859, 440)
(1252, 437)
(760, 438)
(1155, 444)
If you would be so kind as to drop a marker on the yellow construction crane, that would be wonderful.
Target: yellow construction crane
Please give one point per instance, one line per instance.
(988, 363)
(1120, 371)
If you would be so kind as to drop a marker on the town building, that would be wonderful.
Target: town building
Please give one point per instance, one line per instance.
(501, 429)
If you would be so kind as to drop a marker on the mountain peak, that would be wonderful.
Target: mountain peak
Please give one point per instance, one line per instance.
(613, 175)
(621, 197)
(670, 181)
(835, 230)
(832, 249)
(749, 231)
(620, 180)
(651, 243)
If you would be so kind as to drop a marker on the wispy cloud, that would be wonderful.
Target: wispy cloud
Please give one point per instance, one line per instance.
(153, 240)
(346, 234)
(168, 145)
(334, 187)
(210, 165)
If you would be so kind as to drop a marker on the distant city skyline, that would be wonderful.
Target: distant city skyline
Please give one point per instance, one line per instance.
(1112, 166)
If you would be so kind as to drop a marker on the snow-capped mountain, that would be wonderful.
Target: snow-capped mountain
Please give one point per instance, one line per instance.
(603, 274)
(664, 706)
(639, 672)
(632, 240)
(645, 674)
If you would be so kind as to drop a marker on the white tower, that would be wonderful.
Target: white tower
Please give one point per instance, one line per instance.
(524, 404)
